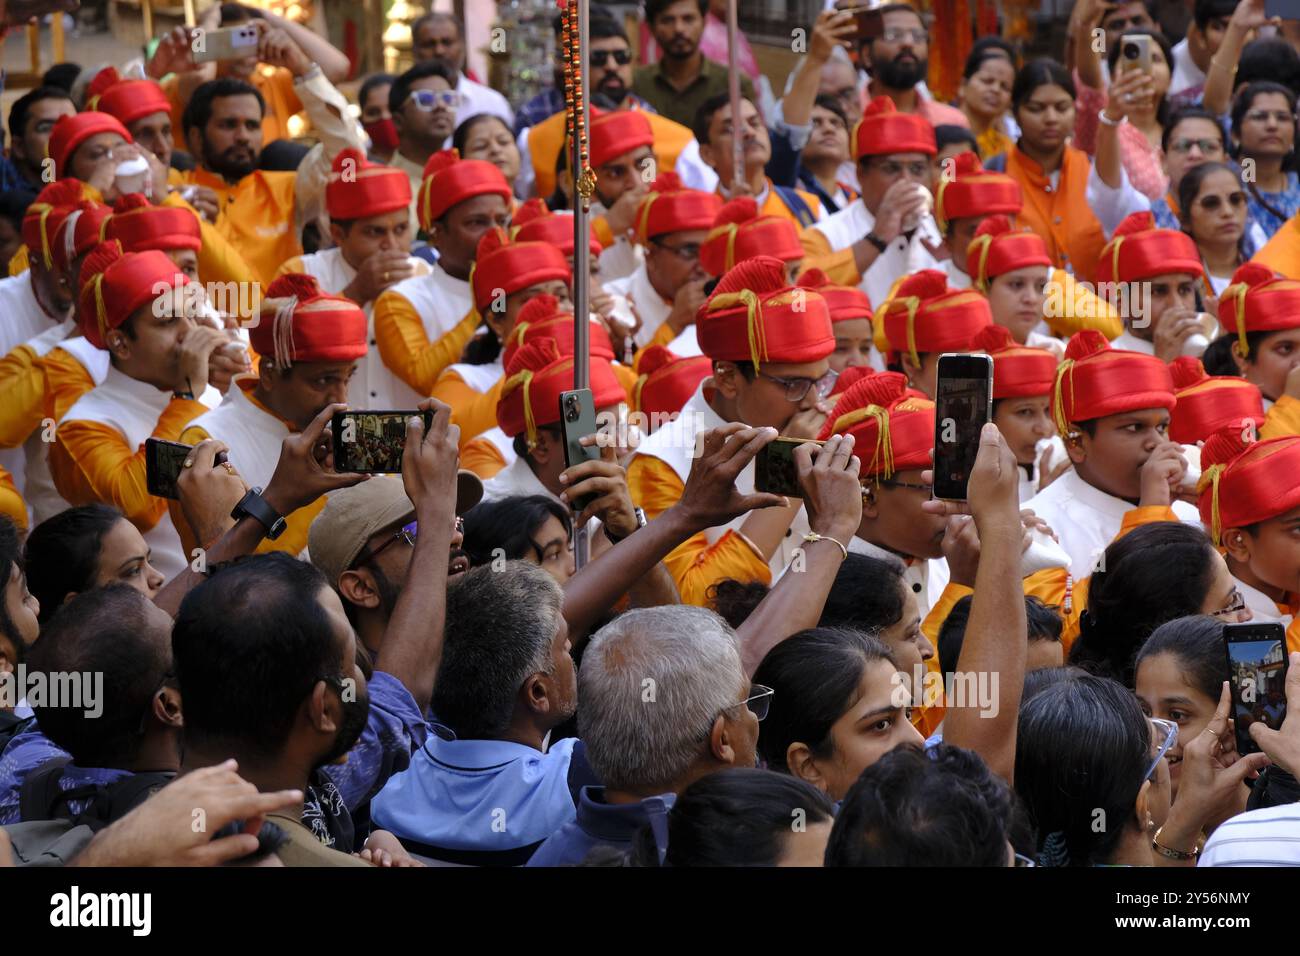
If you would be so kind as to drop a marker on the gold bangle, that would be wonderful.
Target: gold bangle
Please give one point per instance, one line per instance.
(813, 536)
(1170, 852)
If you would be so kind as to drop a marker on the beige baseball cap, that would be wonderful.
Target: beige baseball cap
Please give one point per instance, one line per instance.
(352, 515)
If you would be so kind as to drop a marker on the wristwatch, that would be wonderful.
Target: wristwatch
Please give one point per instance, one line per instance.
(640, 523)
(253, 505)
(876, 241)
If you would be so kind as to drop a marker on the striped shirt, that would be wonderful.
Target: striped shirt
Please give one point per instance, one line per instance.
(1267, 837)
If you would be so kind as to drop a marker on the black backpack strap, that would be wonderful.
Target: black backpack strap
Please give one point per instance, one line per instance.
(118, 799)
(40, 792)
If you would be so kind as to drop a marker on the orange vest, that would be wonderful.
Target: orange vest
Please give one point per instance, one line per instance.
(1060, 215)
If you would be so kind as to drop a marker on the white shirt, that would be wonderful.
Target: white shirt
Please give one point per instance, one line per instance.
(373, 385)
(621, 257)
(674, 445)
(133, 408)
(1029, 480)
(440, 300)
(1086, 519)
(649, 304)
(516, 479)
(1186, 73)
(253, 435)
(901, 257)
(21, 318)
(1127, 340)
(1263, 609)
(687, 344)
(1269, 836)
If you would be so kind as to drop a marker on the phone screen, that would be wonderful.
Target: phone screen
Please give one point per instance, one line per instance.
(963, 404)
(371, 443)
(775, 470)
(162, 463)
(1257, 661)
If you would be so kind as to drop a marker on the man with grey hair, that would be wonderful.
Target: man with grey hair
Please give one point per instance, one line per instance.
(665, 701)
(485, 789)
(441, 36)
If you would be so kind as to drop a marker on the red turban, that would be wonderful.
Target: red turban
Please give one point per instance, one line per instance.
(537, 374)
(845, 302)
(1096, 380)
(671, 207)
(301, 323)
(754, 316)
(740, 233)
(1018, 370)
(666, 382)
(72, 130)
(139, 225)
(1259, 301)
(450, 180)
(893, 428)
(115, 285)
(1138, 250)
(883, 131)
(127, 100)
(925, 315)
(1207, 403)
(966, 189)
(1244, 482)
(533, 222)
(616, 134)
(83, 229)
(542, 317)
(358, 189)
(45, 215)
(507, 267)
(998, 249)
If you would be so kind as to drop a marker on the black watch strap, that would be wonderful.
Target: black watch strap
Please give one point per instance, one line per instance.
(640, 523)
(254, 506)
(876, 241)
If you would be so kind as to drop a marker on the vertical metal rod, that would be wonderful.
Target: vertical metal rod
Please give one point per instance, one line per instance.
(733, 68)
(581, 254)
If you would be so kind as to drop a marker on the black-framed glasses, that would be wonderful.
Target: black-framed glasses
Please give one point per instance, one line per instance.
(601, 57)
(690, 252)
(1236, 603)
(797, 388)
(407, 533)
(914, 485)
(1211, 203)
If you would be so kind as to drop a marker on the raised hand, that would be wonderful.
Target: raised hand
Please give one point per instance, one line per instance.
(710, 497)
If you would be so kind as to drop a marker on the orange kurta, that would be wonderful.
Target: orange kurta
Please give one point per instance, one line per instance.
(257, 218)
(474, 411)
(12, 505)
(90, 462)
(22, 396)
(482, 457)
(66, 380)
(1060, 214)
(405, 347)
(1282, 419)
(695, 564)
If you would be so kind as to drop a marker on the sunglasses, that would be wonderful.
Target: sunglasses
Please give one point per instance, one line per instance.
(429, 100)
(601, 57)
(1235, 200)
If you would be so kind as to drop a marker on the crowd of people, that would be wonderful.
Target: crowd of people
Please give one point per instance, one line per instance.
(504, 656)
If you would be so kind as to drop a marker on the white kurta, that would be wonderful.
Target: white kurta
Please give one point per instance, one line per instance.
(1263, 609)
(253, 436)
(373, 385)
(440, 300)
(649, 304)
(132, 408)
(21, 319)
(1127, 340)
(1086, 519)
(674, 445)
(901, 257)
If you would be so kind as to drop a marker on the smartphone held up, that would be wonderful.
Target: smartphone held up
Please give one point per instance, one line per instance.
(163, 463)
(1257, 664)
(372, 442)
(963, 405)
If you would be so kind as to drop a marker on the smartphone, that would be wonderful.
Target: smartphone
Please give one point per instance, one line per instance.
(577, 420)
(963, 404)
(869, 21)
(163, 461)
(1135, 52)
(775, 470)
(1257, 660)
(224, 43)
(371, 442)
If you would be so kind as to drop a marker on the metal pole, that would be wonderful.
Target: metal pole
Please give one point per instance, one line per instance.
(581, 252)
(733, 67)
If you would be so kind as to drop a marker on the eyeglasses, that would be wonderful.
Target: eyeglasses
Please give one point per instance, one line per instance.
(891, 483)
(900, 35)
(601, 57)
(891, 167)
(1236, 603)
(797, 388)
(1165, 731)
(1136, 22)
(1022, 861)
(1263, 116)
(1235, 200)
(1206, 146)
(759, 700)
(429, 100)
(687, 253)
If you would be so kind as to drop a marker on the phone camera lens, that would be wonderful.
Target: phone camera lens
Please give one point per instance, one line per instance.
(1130, 51)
